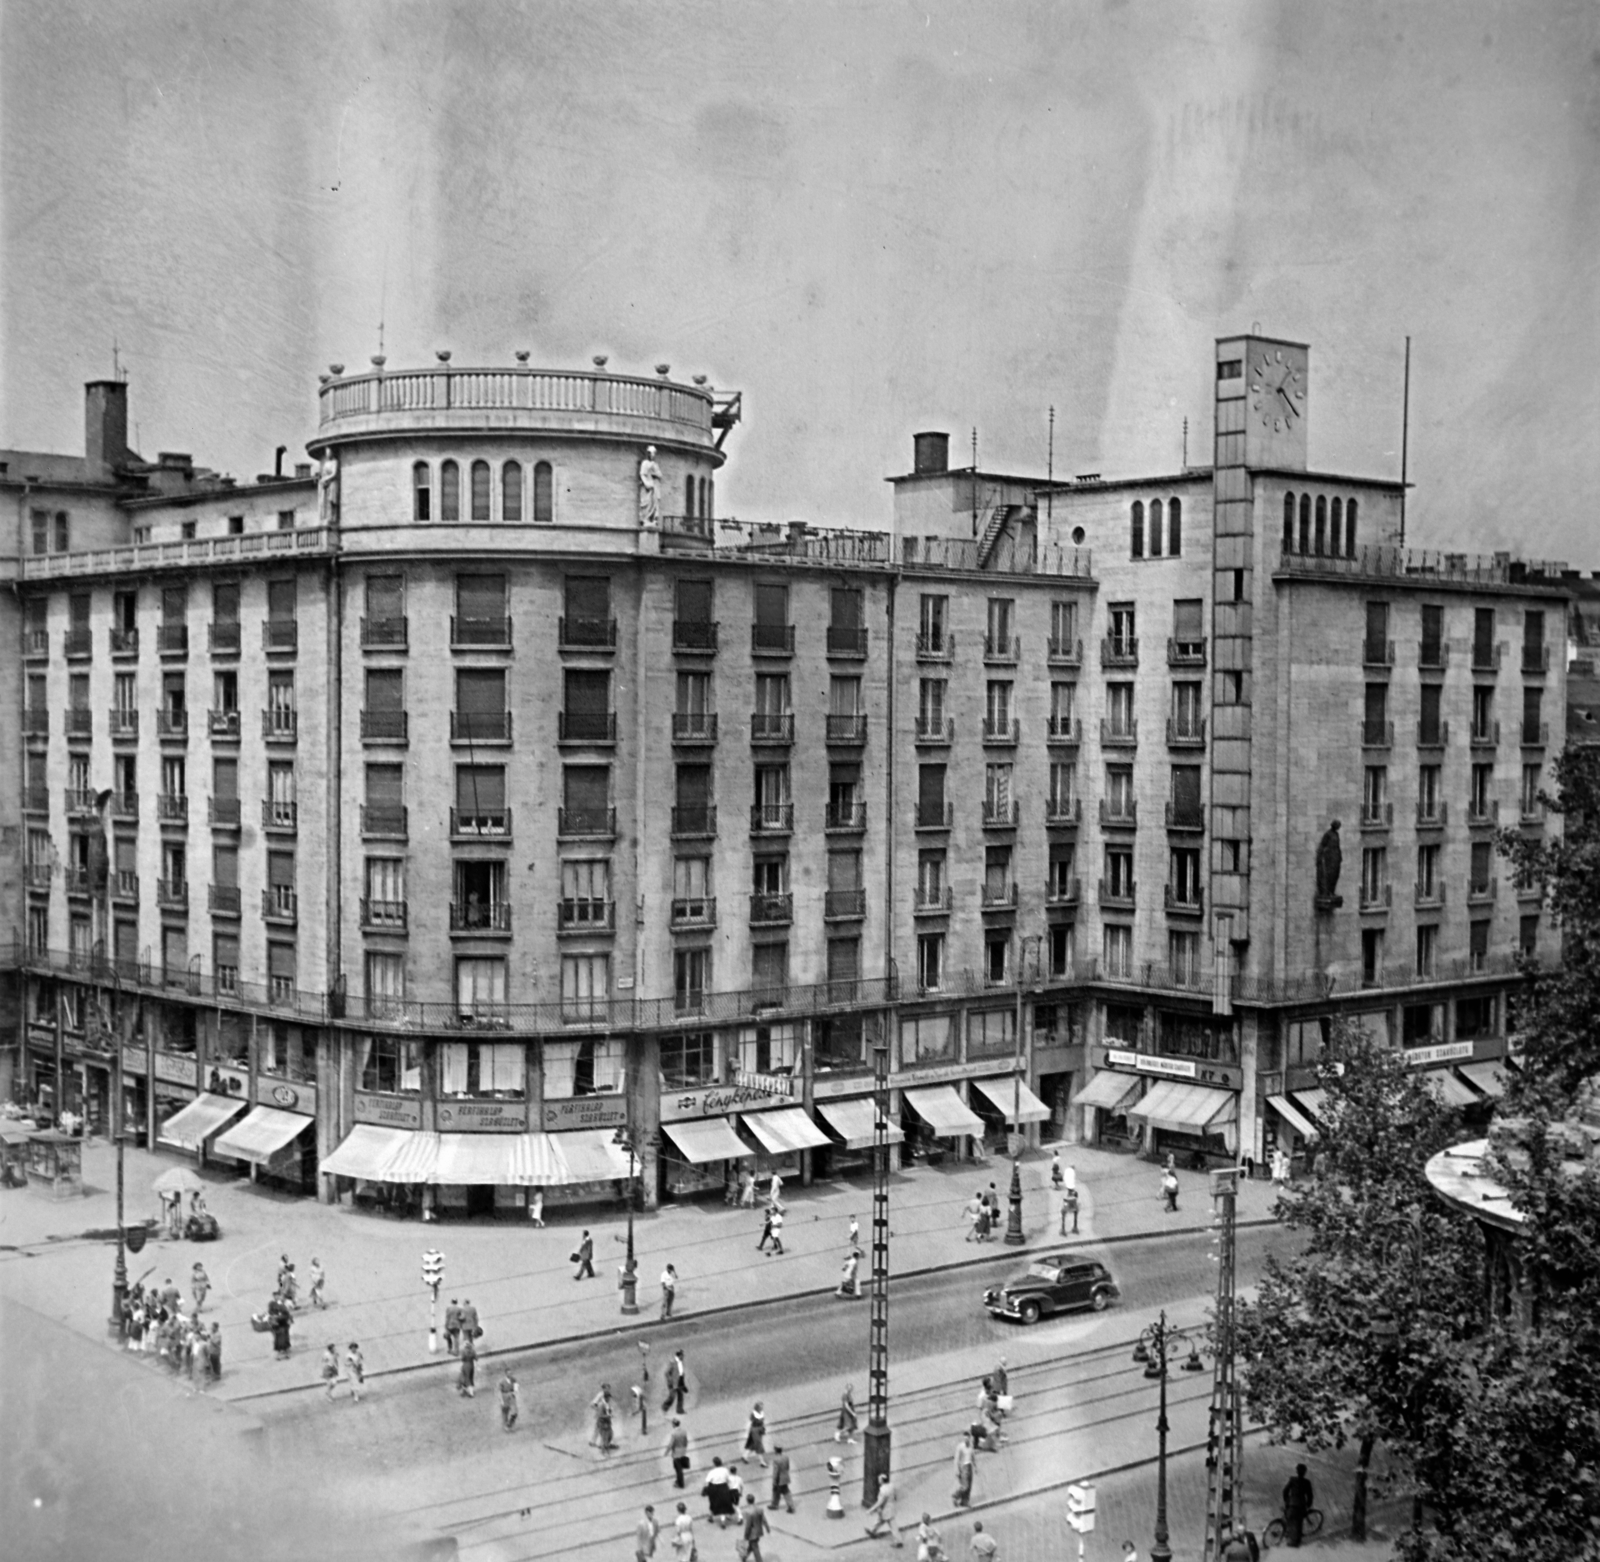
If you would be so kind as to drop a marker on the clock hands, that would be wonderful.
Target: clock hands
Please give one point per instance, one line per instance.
(1293, 410)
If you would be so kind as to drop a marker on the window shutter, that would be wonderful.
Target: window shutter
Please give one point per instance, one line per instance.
(481, 789)
(588, 693)
(384, 786)
(694, 601)
(385, 596)
(481, 596)
(481, 692)
(1186, 620)
(588, 787)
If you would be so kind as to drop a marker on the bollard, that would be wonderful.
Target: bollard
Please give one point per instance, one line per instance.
(835, 1508)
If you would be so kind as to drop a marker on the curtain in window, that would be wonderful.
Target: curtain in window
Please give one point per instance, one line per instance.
(504, 1066)
(452, 1068)
(607, 1060)
(560, 1060)
(363, 1055)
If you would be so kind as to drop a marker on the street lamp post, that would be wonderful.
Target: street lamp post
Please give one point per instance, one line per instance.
(119, 1272)
(630, 1269)
(876, 1441)
(1154, 1345)
(1014, 1236)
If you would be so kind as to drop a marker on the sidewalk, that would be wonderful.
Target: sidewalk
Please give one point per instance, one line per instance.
(519, 1276)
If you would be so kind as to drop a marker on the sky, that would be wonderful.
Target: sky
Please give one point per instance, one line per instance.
(869, 218)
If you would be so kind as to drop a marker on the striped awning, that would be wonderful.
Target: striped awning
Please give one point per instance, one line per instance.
(504, 1160)
(1314, 1103)
(1293, 1116)
(583, 1155)
(785, 1131)
(1016, 1102)
(1109, 1090)
(261, 1135)
(944, 1112)
(200, 1119)
(1184, 1107)
(854, 1121)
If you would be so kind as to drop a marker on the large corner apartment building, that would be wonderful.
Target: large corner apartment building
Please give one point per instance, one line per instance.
(429, 815)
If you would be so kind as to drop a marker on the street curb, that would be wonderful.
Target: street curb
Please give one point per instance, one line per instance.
(643, 1322)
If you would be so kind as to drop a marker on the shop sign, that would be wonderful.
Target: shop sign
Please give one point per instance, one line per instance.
(133, 1059)
(287, 1097)
(1200, 1070)
(224, 1081)
(717, 1101)
(482, 1117)
(773, 1084)
(608, 1111)
(176, 1070)
(390, 1111)
(1443, 1052)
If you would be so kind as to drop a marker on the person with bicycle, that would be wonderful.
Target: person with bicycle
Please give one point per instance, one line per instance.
(1297, 1501)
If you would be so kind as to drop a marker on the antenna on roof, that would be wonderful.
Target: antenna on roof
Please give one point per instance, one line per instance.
(1185, 444)
(1050, 469)
(974, 479)
(116, 369)
(1405, 440)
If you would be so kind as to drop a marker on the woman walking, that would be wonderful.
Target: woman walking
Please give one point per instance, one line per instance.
(199, 1284)
(278, 1315)
(846, 1430)
(330, 1369)
(356, 1365)
(683, 1546)
(604, 1415)
(755, 1437)
(508, 1400)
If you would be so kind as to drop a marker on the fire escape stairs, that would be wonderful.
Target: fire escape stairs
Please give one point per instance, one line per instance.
(995, 523)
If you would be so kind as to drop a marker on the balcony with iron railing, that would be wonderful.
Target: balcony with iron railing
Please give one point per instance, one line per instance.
(844, 905)
(1002, 648)
(224, 813)
(36, 875)
(225, 900)
(1483, 817)
(934, 816)
(172, 894)
(80, 800)
(1186, 732)
(1184, 903)
(694, 821)
(694, 636)
(691, 911)
(846, 731)
(124, 805)
(999, 897)
(1429, 896)
(1063, 892)
(586, 634)
(384, 916)
(1186, 653)
(847, 641)
(484, 726)
(77, 643)
(586, 824)
(224, 725)
(771, 818)
(1064, 653)
(1376, 897)
(1063, 731)
(772, 639)
(280, 636)
(125, 886)
(1487, 656)
(1119, 897)
(1482, 892)
(1433, 734)
(1179, 817)
(172, 808)
(124, 724)
(75, 880)
(124, 642)
(172, 640)
(480, 634)
(935, 646)
(1063, 813)
(1119, 733)
(1002, 730)
(1484, 736)
(282, 816)
(585, 726)
(1001, 813)
(385, 820)
(1535, 734)
(772, 727)
(35, 643)
(932, 902)
(1377, 816)
(771, 910)
(1535, 658)
(1377, 734)
(477, 824)
(845, 818)
(1114, 817)
(390, 727)
(934, 730)
(79, 724)
(1119, 651)
(1432, 815)
(694, 727)
(584, 914)
(474, 918)
(280, 724)
(384, 634)
(224, 637)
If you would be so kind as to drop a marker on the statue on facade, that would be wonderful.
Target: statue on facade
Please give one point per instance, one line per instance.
(1329, 860)
(328, 491)
(649, 488)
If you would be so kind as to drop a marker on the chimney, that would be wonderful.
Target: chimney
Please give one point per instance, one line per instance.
(930, 453)
(105, 422)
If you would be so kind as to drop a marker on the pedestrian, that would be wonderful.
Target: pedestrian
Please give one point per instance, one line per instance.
(330, 1369)
(452, 1326)
(536, 1206)
(981, 1228)
(286, 1280)
(1297, 1500)
(319, 1281)
(774, 1188)
(584, 1258)
(747, 1189)
(973, 1213)
(467, 1376)
(1069, 1206)
(1169, 1187)
(755, 1437)
(983, 1546)
(470, 1327)
(766, 1229)
(1280, 1168)
(508, 1400)
(965, 1464)
(644, 1535)
(170, 1298)
(849, 1282)
(755, 1526)
(845, 1432)
(777, 1232)
(780, 1480)
(199, 1285)
(683, 1546)
(930, 1546)
(356, 1365)
(1002, 1387)
(278, 1317)
(719, 1494)
(677, 1384)
(989, 1411)
(883, 1511)
(992, 1199)
(678, 1453)
(854, 1239)
(604, 1415)
(669, 1291)
(1129, 1553)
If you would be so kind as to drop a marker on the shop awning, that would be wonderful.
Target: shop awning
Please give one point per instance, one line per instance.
(1489, 1076)
(262, 1134)
(1185, 1108)
(942, 1110)
(200, 1119)
(584, 1155)
(705, 1139)
(1314, 1103)
(1004, 1094)
(1456, 1092)
(1293, 1116)
(503, 1160)
(1108, 1090)
(377, 1154)
(785, 1130)
(11, 1133)
(853, 1121)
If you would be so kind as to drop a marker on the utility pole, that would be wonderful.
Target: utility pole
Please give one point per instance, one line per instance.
(875, 1445)
(1224, 1441)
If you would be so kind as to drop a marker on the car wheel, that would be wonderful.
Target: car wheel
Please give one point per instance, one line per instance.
(1100, 1301)
(1029, 1312)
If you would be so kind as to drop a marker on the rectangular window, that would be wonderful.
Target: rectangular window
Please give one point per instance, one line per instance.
(1375, 649)
(1531, 806)
(847, 609)
(769, 971)
(769, 1049)
(1188, 718)
(931, 634)
(1375, 794)
(1124, 636)
(1374, 875)
(694, 601)
(1118, 945)
(1428, 800)
(1062, 704)
(930, 877)
(1061, 938)
(691, 971)
(1376, 714)
(1060, 881)
(389, 1065)
(997, 708)
(991, 1032)
(998, 797)
(1119, 709)
(772, 694)
(1119, 872)
(1430, 729)
(1532, 710)
(481, 988)
(1483, 637)
(1063, 628)
(844, 696)
(1119, 791)
(928, 1038)
(930, 706)
(386, 994)
(694, 695)
(930, 795)
(1184, 875)
(41, 531)
(1427, 872)
(1481, 785)
(582, 1068)
(1533, 630)
(1528, 935)
(996, 958)
(1183, 958)
(1063, 788)
(281, 599)
(1482, 865)
(999, 632)
(1371, 956)
(1432, 654)
(1483, 715)
(688, 1058)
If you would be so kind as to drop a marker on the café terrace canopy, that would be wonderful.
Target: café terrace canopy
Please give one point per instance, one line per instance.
(1109, 1090)
(1293, 1116)
(375, 1154)
(200, 1119)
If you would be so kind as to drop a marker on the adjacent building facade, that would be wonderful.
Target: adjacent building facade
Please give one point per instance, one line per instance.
(441, 821)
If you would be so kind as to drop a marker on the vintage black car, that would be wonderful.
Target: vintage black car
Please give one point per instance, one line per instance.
(1053, 1285)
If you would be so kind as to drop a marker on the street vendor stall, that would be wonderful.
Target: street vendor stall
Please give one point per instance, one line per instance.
(14, 1137)
(55, 1162)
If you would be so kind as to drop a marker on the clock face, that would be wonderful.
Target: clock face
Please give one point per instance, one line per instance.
(1277, 390)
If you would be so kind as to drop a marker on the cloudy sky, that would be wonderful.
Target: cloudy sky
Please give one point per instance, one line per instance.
(871, 218)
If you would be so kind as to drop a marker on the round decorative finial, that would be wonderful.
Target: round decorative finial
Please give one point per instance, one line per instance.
(322, 379)
(335, 368)
(442, 354)
(378, 360)
(663, 369)
(699, 379)
(523, 355)
(600, 360)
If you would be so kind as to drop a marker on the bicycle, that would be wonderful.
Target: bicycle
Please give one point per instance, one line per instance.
(1276, 1530)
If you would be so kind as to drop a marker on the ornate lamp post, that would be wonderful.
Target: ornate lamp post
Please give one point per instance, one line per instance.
(1155, 1344)
(1014, 1236)
(630, 1269)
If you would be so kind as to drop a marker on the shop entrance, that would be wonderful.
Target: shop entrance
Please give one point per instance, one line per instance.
(1055, 1090)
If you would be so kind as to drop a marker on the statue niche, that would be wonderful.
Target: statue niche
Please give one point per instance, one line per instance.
(1330, 858)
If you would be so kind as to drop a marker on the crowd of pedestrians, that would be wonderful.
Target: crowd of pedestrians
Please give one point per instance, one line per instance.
(153, 1322)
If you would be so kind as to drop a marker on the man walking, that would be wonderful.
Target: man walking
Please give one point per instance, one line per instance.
(755, 1526)
(962, 1495)
(677, 1384)
(780, 1480)
(669, 1291)
(766, 1229)
(467, 1381)
(983, 1546)
(356, 1365)
(777, 1233)
(509, 1407)
(849, 1281)
(1169, 1189)
(319, 1280)
(470, 1328)
(584, 1258)
(644, 1535)
(883, 1511)
(854, 1239)
(1297, 1500)
(330, 1369)
(452, 1326)
(678, 1453)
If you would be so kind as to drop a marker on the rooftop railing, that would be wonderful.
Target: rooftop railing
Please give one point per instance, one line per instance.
(189, 552)
(1385, 563)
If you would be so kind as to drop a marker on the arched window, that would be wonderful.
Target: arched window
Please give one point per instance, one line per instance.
(511, 491)
(449, 491)
(544, 508)
(1155, 528)
(705, 498)
(1305, 523)
(1138, 529)
(688, 497)
(422, 493)
(1322, 524)
(1350, 530)
(710, 498)
(1288, 523)
(480, 490)
(1174, 527)
(1336, 528)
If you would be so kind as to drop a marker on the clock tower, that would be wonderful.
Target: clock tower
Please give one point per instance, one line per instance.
(1272, 380)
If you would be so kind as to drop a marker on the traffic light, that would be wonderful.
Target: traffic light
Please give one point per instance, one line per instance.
(1080, 1507)
(433, 1269)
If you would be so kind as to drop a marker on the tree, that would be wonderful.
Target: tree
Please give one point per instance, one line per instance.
(1313, 1367)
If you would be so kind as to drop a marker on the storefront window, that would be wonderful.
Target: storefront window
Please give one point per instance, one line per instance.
(689, 1058)
(1475, 1018)
(286, 1052)
(390, 1064)
(839, 1043)
(1124, 1025)
(582, 1068)
(232, 1041)
(1194, 1036)
(1057, 1024)
(769, 1049)
(991, 1033)
(72, 1007)
(1422, 1024)
(492, 1069)
(929, 1038)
